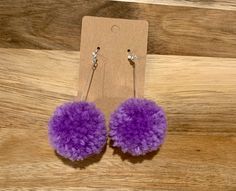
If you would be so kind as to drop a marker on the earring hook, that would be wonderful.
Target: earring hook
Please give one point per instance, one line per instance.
(90, 78)
(94, 58)
(131, 58)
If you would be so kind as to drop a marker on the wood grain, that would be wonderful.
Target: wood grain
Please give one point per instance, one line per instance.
(179, 30)
(185, 162)
(200, 97)
(198, 94)
(212, 4)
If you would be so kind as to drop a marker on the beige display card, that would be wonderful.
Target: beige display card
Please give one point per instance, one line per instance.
(113, 79)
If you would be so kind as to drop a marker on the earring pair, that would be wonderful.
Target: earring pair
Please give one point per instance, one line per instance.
(77, 130)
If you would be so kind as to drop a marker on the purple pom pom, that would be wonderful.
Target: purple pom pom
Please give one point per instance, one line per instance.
(138, 126)
(77, 130)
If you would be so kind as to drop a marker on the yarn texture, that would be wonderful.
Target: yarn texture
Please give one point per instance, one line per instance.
(77, 130)
(138, 126)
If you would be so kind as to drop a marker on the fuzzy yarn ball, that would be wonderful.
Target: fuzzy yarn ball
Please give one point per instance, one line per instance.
(138, 126)
(77, 130)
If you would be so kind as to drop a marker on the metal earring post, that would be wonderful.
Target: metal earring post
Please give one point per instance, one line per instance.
(131, 59)
(90, 79)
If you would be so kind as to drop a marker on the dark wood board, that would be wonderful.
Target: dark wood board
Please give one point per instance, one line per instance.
(52, 24)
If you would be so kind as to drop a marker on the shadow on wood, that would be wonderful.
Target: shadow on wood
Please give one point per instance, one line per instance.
(84, 163)
(130, 158)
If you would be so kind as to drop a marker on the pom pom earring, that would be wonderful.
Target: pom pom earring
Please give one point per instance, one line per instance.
(138, 125)
(77, 129)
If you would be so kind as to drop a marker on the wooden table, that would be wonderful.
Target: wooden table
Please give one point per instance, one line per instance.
(194, 80)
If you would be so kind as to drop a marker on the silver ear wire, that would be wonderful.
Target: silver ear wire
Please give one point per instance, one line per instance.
(90, 78)
(94, 58)
(131, 57)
